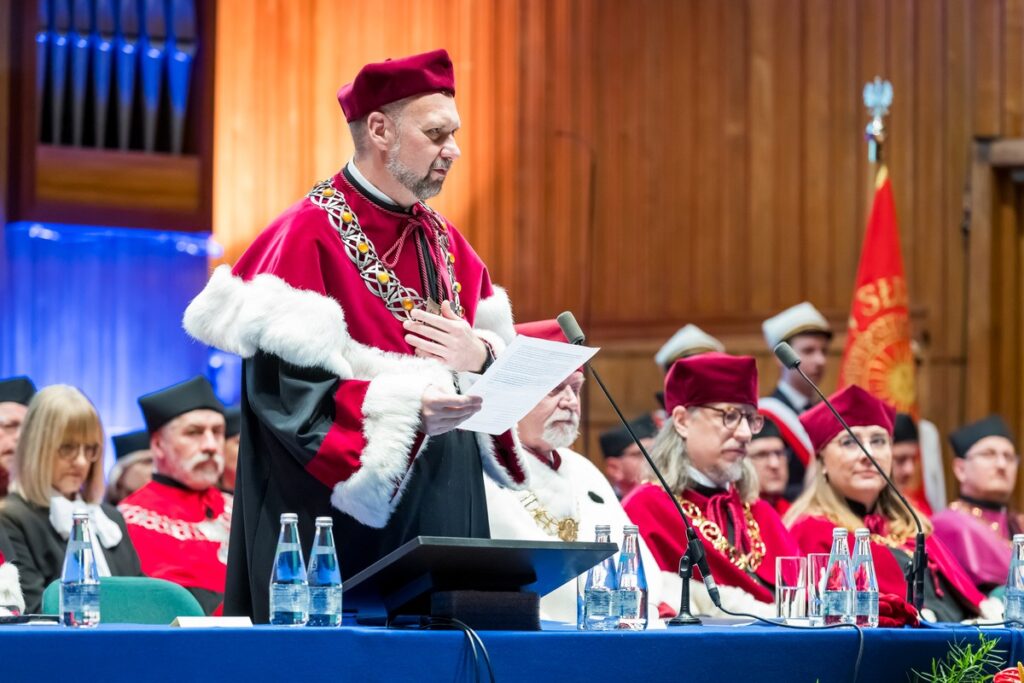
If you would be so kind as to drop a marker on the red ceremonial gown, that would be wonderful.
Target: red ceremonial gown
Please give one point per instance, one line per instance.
(181, 536)
(979, 534)
(948, 589)
(653, 511)
(332, 391)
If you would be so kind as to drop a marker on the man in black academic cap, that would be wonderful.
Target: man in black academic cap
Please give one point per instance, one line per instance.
(624, 464)
(978, 526)
(180, 521)
(133, 468)
(15, 394)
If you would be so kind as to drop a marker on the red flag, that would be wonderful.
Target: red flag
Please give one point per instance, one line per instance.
(878, 356)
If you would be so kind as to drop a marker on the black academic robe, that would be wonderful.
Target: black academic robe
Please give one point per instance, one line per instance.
(39, 549)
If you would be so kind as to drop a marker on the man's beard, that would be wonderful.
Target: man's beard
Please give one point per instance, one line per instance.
(728, 474)
(561, 429)
(422, 187)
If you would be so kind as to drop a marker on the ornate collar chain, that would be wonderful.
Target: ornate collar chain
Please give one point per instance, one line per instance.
(976, 512)
(717, 538)
(565, 528)
(378, 277)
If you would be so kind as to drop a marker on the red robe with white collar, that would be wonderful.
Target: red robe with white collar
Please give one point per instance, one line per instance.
(332, 391)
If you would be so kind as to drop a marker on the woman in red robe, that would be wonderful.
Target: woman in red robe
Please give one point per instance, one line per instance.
(847, 491)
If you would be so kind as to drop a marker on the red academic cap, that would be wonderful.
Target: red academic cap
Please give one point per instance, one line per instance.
(858, 408)
(542, 329)
(394, 79)
(711, 378)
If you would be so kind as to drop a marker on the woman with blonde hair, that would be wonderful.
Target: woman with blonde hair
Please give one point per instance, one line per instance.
(58, 469)
(847, 491)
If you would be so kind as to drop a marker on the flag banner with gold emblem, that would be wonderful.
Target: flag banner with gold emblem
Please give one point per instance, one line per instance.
(878, 355)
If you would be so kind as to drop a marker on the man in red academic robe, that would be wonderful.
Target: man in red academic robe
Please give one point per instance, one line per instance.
(977, 526)
(180, 521)
(712, 404)
(353, 312)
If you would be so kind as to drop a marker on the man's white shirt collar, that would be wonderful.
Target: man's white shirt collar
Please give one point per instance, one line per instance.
(367, 185)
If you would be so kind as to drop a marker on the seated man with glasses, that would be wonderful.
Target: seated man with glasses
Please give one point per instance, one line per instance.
(711, 401)
(773, 447)
(978, 526)
(58, 468)
(848, 492)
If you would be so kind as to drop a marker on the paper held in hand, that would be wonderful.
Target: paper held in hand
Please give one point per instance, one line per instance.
(520, 377)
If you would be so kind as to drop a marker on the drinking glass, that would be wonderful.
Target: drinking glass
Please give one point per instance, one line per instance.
(817, 569)
(790, 587)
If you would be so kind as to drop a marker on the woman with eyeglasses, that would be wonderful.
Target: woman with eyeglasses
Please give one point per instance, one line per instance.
(711, 401)
(847, 491)
(58, 469)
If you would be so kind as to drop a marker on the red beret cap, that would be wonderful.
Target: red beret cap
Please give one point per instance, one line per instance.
(384, 82)
(711, 378)
(858, 408)
(542, 329)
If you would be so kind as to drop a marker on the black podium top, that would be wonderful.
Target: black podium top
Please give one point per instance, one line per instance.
(402, 581)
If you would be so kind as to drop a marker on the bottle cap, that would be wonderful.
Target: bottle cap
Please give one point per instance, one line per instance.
(630, 529)
(324, 521)
(1018, 538)
(80, 514)
(862, 533)
(839, 532)
(603, 528)
(287, 517)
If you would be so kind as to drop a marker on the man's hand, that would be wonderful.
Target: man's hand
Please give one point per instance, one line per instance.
(447, 338)
(441, 412)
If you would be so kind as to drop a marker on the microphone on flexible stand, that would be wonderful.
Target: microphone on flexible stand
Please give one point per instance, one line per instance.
(915, 587)
(694, 554)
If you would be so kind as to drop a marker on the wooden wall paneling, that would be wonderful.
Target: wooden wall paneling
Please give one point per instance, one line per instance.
(899, 149)
(846, 203)
(1013, 69)
(980, 362)
(766, 126)
(929, 97)
(735, 284)
(817, 182)
(987, 46)
(1006, 305)
(706, 259)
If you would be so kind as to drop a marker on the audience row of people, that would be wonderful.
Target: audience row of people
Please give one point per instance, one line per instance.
(172, 521)
(758, 477)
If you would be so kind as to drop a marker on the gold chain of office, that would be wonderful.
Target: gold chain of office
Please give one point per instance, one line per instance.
(378, 277)
(566, 528)
(714, 535)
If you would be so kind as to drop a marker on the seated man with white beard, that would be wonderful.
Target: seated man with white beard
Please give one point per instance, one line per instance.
(568, 496)
(179, 522)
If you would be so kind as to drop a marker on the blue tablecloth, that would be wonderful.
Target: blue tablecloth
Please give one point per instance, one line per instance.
(710, 653)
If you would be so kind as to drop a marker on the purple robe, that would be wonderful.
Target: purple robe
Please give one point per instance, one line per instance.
(980, 539)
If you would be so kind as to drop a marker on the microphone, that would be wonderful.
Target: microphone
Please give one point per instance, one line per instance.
(915, 587)
(694, 554)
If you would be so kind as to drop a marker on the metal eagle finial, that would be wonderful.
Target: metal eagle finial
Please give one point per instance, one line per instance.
(877, 99)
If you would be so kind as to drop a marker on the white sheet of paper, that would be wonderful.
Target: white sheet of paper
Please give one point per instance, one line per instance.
(520, 377)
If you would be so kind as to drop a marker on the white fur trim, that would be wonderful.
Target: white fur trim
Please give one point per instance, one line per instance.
(493, 467)
(391, 413)
(301, 327)
(733, 599)
(10, 587)
(494, 314)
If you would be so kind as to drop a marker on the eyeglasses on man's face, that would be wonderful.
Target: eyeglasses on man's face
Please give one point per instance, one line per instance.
(991, 455)
(732, 415)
